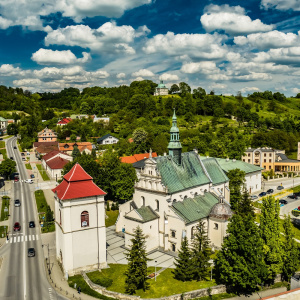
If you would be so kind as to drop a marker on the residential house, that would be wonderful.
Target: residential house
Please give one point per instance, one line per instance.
(3, 123)
(47, 135)
(98, 119)
(82, 147)
(137, 157)
(42, 148)
(64, 122)
(80, 117)
(107, 139)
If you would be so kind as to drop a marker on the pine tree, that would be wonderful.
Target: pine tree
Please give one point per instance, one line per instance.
(184, 268)
(136, 273)
(240, 264)
(290, 251)
(270, 234)
(200, 253)
(75, 152)
(107, 206)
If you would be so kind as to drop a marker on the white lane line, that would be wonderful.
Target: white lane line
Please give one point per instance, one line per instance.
(22, 238)
(33, 238)
(18, 239)
(11, 239)
(15, 238)
(26, 238)
(29, 238)
(37, 237)
(6, 241)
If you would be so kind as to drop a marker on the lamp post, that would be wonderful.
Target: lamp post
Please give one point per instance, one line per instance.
(211, 265)
(155, 270)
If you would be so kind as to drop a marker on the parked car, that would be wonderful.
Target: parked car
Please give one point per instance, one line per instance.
(23, 154)
(17, 226)
(32, 176)
(23, 158)
(280, 187)
(270, 191)
(297, 194)
(17, 202)
(31, 252)
(31, 224)
(283, 201)
(15, 147)
(16, 179)
(253, 197)
(262, 194)
(293, 196)
(11, 158)
(28, 181)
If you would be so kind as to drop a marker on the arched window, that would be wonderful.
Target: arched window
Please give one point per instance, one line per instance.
(173, 247)
(85, 219)
(157, 205)
(143, 201)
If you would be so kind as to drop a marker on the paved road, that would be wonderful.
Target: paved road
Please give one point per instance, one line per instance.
(23, 277)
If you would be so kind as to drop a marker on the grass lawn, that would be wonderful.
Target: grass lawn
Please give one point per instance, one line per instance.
(217, 297)
(2, 144)
(7, 137)
(3, 152)
(3, 231)
(42, 172)
(112, 217)
(165, 284)
(5, 203)
(28, 166)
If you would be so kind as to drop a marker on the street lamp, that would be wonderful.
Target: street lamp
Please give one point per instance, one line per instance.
(155, 269)
(211, 265)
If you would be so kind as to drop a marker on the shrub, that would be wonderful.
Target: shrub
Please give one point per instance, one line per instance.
(104, 281)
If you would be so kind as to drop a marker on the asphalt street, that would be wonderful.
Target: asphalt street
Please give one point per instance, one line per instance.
(23, 277)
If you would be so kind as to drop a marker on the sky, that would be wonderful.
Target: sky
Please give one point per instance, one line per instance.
(225, 46)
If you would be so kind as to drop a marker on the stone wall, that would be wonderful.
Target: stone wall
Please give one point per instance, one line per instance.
(185, 296)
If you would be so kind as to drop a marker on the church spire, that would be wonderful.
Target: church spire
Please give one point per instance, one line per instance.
(174, 144)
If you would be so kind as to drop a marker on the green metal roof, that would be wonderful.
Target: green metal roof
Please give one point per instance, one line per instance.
(192, 210)
(161, 85)
(181, 177)
(214, 170)
(146, 213)
(230, 164)
(2, 119)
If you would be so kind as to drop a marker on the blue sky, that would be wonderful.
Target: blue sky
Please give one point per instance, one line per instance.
(223, 46)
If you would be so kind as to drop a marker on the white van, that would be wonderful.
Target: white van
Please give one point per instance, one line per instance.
(28, 181)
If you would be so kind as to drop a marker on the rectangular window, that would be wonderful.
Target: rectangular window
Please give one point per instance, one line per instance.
(270, 154)
(265, 160)
(270, 160)
(84, 219)
(269, 167)
(248, 154)
(248, 160)
(265, 155)
(216, 226)
(173, 233)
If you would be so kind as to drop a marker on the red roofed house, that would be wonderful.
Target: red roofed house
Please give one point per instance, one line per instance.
(80, 222)
(47, 135)
(64, 121)
(54, 161)
(82, 147)
(42, 148)
(137, 157)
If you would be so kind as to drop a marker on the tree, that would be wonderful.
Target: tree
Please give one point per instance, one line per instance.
(7, 167)
(240, 263)
(174, 88)
(139, 135)
(136, 273)
(200, 253)
(75, 152)
(270, 234)
(236, 184)
(183, 268)
(184, 88)
(290, 251)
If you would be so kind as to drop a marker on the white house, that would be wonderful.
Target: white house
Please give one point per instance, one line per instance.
(3, 123)
(107, 140)
(80, 222)
(172, 194)
(161, 90)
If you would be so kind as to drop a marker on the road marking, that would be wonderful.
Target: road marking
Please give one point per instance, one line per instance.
(22, 238)
(15, 238)
(33, 238)
(37, 237)
(11, 240)
(29, 237)
(26, 238)
(18, 239)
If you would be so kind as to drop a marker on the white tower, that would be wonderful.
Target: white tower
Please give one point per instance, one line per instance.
(80, 222)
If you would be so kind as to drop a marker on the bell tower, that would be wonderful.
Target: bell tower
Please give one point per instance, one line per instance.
(174, 144)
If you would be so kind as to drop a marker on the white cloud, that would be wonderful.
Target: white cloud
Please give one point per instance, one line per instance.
(10, 70)
(169, 77)
(205, 46)
(121, 75)
(281, 5)
(253, 77)
(267, 40)
(296, 90)
(232, 20)
(138, 79)
(143, 73)
(108, 38)
(218, 86)
(205, 67)
(282, 55)
(4, 23)
(49, 57)
(250, 89)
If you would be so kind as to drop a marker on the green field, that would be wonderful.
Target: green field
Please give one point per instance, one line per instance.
(5, 203)
(112, 217)
(42, 172)
(3, 152)
(28, 166)
(2, 144)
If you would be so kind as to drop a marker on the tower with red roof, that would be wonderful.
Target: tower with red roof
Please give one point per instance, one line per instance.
(80, 222)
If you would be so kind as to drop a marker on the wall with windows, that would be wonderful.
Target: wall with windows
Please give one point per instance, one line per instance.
(253, 182)
(216, 231)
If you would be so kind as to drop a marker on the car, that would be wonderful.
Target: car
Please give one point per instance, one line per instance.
(270, 191)
(23, 158)
(297, 194)
(16, 179)
(1, 139)
(293, 196)
(262, 194)
(31, 175)
(253, 197)
(17, 202)
(17, 226)
(11, 158)
(280, 187)
(31, 252)
(15, 147)
(23, 154)
(283, 201)
(28, 181)
(31, 224)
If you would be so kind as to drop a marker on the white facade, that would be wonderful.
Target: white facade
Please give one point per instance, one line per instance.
(3, 123)
(253, 182)
(110, 140)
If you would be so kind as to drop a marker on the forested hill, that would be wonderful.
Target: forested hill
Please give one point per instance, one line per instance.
(205, 120)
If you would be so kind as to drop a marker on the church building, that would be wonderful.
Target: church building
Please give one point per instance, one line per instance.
(80, 222)
(172, 194)
(161, 90)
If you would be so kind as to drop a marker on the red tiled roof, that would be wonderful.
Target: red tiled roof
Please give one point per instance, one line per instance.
(77, 184)
(65, 121)
(130, 140)
(36, 144)
(81, 146)
(51, 154)
(136, 157)
(57, 163)
(44, 148)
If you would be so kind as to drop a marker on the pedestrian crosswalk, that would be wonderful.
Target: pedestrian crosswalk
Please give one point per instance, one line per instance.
(22, 238)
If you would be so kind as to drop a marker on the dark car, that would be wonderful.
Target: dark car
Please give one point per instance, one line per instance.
(17, 226)
(31, 252)
(11, 158)
(17, 202)
(262, 194)
(270, 191)
(15, 147)
(280, 187)
(32, 176)
(23, 154)
(253, 197)
(31, 224)
(283, 201)
(293, 196)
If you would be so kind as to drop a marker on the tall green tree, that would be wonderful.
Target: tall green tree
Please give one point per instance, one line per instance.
(240, 262)
(236, 185)
(200, 252)
(290, 251)
(183, 268)
(7, 167)
(270, 234)
(136, 273)
(75, 152)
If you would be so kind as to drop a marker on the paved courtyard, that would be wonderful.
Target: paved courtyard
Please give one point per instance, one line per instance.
(116, 252)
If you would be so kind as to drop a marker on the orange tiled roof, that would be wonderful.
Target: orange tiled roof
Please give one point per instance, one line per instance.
(70, 146)
(136, 157)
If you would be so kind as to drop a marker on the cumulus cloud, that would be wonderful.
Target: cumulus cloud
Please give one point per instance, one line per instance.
(204, 46)
(143, 73)
(205, 67)
(282, 55)
(121, 75)
(250, 89)
(267, 40)
(168, 77)
(28, 13)
(49, 57)
(296, 90)
(10, 70)
(281, 5)
(232, 20)
(108, 38)
(254, 77)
